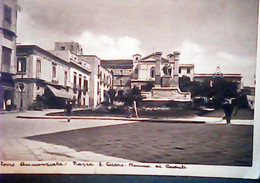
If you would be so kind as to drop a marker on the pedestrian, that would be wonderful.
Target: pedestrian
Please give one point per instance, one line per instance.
(135, 108)
(68, 108)
(228, 109)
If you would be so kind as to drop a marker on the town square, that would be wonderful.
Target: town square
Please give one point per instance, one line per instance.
(113, 81)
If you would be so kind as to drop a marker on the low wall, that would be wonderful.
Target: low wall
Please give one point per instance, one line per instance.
(164, 103)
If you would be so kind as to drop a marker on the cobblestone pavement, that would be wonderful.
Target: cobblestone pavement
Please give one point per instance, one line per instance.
(13, 145)
(103, 140)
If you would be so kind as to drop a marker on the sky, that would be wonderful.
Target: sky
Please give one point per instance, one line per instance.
(208, 33)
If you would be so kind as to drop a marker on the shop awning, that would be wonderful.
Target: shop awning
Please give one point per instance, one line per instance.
(61, 93)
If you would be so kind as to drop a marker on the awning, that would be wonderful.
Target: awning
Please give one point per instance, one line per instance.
(61, 93)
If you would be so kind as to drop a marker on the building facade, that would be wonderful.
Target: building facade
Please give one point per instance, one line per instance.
(101, 80)
(8, 26)
(140, 71)
(92, 81)
(41, 76)
(79, 72)
(186, 70)
(121, 71)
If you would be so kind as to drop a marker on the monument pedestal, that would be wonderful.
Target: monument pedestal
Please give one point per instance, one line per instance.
(167, 97)
(166, 81)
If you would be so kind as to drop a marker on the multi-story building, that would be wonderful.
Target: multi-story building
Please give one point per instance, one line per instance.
(101, 80)
(8, 24)
(140, 71)
(121, 71)
(79, 71)
(186, 70)
(210, 78)
(97, 80)
(41, 74)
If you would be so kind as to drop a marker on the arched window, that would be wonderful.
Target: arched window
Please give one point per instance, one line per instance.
(152, 72)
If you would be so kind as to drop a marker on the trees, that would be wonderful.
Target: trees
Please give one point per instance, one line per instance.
(111, 94)
(216, 89)
(222, 89)
(185, 83)
(132, 95)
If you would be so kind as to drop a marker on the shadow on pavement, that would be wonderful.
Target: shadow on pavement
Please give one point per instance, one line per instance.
(162, 143)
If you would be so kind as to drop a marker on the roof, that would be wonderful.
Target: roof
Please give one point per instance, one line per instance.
(229, 75)
(186, 65)
(117, 64)
(91, 56)
(28, 48)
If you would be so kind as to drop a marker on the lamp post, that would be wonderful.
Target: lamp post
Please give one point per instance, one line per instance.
(21, 86)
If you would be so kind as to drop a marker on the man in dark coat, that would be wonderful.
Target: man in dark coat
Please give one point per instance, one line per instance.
(228, 109)
(68, 108)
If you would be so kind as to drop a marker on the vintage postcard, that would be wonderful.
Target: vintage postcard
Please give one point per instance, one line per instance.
(130, 87)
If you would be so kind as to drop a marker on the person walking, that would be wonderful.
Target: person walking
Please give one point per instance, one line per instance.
(228, 109)
(135, 109)
(68, 108)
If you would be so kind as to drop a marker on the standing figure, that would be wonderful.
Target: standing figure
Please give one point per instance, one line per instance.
(228, 109)
(135, 108)
(68, 108)
(167, 70)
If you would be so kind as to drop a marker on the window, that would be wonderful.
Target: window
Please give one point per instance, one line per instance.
(80, 79)
(121, 72)
(74, 79)
(85, 85)
(62, 48)
(101, 75)
(98, 71)
(8, 14)
(152, 72)
(121, 82)
(65, 78)
(6, 59)
(179, 70)
(84, 102)
(54, 70)
(188, 71)
(38, 68)
(21, 64)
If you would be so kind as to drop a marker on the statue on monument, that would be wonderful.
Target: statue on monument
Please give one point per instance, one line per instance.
(167, 70)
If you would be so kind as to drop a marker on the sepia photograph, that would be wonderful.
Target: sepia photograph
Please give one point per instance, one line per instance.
(129, 87)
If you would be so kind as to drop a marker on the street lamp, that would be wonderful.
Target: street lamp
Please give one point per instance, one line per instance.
(21, 86)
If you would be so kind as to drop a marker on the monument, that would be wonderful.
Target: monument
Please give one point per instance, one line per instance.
(166, 90)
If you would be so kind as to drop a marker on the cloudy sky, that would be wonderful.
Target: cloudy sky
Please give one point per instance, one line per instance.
(208, 33)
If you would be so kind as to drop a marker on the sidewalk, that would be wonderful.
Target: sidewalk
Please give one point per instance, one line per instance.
(196, 119)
